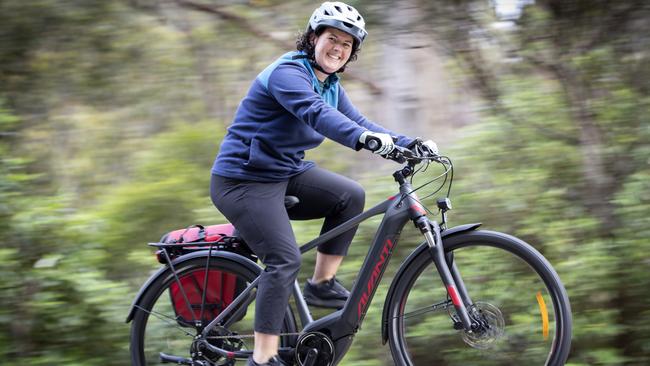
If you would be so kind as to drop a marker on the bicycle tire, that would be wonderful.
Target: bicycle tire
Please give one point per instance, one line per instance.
(156, 328)
(500, 272)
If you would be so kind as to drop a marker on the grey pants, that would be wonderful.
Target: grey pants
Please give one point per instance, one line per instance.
(257, 210)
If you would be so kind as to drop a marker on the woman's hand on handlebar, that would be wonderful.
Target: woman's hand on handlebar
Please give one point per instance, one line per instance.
(415, 152)
(378, 143)
(423, 149)
(430, 148)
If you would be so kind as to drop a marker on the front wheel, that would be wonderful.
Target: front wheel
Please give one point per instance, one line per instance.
(516, 295)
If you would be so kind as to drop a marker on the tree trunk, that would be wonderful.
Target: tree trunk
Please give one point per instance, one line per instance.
(599, 185)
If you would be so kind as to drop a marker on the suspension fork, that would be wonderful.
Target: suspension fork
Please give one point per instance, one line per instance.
(460, 284)
(448, 272)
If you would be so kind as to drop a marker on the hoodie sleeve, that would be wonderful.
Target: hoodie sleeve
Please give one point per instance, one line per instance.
(292, 87)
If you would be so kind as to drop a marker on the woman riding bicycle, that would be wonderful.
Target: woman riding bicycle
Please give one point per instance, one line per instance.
(291, 107)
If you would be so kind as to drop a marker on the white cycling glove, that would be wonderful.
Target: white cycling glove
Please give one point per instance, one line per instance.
(386, 141)
(431, 147)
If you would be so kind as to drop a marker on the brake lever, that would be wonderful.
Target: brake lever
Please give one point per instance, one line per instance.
(409, 155)
(397, 156)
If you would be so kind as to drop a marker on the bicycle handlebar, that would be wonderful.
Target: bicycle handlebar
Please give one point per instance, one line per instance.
(400, 154)
(372, 144)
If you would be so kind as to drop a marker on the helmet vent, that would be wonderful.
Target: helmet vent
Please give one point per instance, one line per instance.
(338, 15)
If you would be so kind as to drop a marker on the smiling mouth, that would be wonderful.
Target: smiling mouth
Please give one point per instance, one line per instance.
(337, 58)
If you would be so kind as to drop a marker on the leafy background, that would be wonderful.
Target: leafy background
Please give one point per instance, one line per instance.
(111, 113)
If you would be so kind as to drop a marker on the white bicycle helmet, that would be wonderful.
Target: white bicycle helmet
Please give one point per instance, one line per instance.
(340, 16)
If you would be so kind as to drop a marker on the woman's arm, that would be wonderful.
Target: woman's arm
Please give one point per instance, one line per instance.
(292, 87)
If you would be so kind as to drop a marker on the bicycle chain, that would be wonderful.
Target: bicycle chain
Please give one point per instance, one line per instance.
(242, 336)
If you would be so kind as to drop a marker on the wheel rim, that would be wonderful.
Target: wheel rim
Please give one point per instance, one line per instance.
(514, 298)
(159, 329)
(154, 329)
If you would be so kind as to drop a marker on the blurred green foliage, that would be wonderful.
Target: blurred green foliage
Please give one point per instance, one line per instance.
(112, 111)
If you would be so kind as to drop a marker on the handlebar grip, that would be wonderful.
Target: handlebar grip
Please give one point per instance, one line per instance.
(372, 143)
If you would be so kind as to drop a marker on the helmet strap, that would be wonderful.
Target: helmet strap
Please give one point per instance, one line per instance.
(316, 66)
(313, 64)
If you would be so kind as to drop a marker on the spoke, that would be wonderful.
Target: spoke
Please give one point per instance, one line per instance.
(426, 309)
(205, 282)
(166, 318)
(180, 284)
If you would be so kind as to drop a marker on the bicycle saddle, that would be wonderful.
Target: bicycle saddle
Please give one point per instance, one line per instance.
(290, 201)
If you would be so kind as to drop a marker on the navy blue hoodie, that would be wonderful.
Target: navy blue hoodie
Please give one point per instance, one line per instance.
(287, 111)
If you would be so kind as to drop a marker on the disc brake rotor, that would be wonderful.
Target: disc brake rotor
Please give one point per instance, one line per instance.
(492, 329)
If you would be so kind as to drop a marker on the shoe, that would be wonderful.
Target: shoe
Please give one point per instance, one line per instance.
(327, 294)
(274, 361)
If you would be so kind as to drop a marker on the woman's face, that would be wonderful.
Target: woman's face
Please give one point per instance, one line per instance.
(332, 50)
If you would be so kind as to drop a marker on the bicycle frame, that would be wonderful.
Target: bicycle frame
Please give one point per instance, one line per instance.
(341, 325)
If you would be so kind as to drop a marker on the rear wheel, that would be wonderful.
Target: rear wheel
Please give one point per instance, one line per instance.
(517, 297)
(164, 324)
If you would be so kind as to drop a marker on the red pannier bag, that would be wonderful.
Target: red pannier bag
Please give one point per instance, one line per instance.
(196, 233)
(222, 287)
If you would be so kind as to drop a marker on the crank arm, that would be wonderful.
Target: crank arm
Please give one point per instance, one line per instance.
(312, 357)
(165, 358)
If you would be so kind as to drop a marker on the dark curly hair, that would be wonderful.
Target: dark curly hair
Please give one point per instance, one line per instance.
(305, 45)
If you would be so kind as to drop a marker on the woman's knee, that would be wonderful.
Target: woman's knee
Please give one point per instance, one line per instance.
(294, 261)
(357, 197)
(285, 263)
